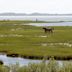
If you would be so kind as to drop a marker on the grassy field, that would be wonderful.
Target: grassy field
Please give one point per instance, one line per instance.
(15, 37)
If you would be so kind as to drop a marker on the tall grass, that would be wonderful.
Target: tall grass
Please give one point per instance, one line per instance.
(44, 66)
(4, 68)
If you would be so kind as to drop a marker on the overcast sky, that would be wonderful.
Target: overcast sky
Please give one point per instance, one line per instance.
(41, 6)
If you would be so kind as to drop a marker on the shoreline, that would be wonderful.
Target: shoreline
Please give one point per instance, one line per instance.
(40, 57)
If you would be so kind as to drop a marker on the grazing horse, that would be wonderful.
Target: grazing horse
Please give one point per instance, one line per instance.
(50, 30)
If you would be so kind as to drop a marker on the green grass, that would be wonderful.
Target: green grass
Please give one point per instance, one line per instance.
(30, 43)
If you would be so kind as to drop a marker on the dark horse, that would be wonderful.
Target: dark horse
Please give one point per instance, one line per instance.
(50, 30)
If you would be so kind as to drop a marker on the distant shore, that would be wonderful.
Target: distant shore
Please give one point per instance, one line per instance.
(33, 14)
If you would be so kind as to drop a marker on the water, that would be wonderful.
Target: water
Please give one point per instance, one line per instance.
(13, 60)
(40, 18)
(52, 24)
(22, 61)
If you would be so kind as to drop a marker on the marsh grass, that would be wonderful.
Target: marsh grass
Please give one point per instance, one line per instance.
(30, 43)
(45, 66)
(4, 68)
(51, 66)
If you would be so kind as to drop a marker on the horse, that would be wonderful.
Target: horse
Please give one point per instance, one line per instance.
(50, 30)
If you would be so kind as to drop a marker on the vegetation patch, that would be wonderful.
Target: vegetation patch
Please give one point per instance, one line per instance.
(45, 66)
(26, 40)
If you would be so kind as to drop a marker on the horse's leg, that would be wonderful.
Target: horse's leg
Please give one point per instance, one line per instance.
(45, 31)
(51, 31)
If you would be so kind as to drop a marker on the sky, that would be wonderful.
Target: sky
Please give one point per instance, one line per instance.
(40, 6)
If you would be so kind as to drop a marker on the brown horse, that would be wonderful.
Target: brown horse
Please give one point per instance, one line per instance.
(50, 30)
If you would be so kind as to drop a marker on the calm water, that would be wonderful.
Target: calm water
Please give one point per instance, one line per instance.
(41, 18)
(13, 60)
(52, 24)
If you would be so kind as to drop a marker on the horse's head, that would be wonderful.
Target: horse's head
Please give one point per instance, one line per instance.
(43, 28)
